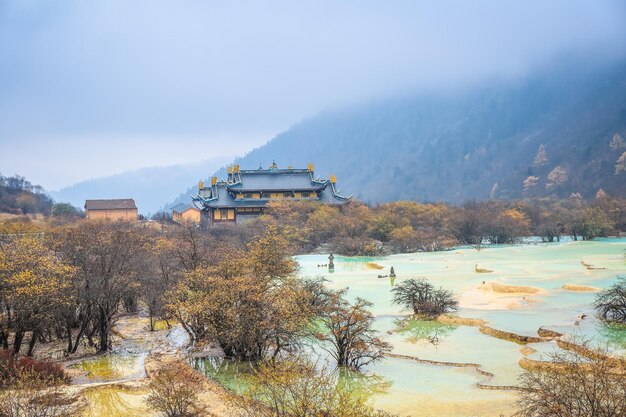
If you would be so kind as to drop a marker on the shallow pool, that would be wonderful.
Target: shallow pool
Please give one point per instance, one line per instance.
(539, 271)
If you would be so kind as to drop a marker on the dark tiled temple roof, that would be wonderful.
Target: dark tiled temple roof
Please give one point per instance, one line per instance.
(112, 204)
(276, 180)
(180, 207)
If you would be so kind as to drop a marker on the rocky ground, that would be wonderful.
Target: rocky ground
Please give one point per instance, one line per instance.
(117, 384)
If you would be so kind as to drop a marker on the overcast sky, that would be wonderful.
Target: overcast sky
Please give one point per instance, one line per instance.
(94, 88)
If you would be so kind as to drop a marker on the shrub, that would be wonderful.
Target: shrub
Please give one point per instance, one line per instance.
(34, 393)
(574, 385)
(11, 368)
(175, 391)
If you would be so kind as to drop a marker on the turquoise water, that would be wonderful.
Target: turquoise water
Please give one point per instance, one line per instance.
(453, 391)
(443, 386)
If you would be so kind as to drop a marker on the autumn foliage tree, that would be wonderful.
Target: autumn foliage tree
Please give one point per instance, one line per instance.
(108, 258)
(541, 157)
(588, 222)
(620, 164)
(406, 226)
(505, 226)
(556, 178)
(617, 142)
(253, 307)
(34, 286)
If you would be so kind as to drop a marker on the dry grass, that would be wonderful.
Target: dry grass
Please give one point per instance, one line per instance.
(511, 289)
(579, 288)
(373, 265)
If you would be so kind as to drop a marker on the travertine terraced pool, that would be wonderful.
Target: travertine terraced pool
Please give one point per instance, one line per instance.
(460, 370)
(424, 389)
(437, 369)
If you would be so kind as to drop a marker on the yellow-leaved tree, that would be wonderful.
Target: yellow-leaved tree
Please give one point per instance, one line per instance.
(250, 303)
(34, 288)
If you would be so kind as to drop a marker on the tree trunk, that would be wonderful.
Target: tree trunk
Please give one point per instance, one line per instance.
(104, 333)
(79, 336)
(17, 342)
(69, 340)
(151, 319)
(31, 343)
(4, 339)
(190, 332)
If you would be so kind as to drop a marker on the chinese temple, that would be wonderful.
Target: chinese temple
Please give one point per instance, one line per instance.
(246, 192)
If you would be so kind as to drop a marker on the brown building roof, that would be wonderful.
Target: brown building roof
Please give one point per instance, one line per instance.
(115, 204)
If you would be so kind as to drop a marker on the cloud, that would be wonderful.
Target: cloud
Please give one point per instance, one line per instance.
(145, 70)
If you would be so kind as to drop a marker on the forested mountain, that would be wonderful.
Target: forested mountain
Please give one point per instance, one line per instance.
(480, 144)
(150, 187)
(19, 196)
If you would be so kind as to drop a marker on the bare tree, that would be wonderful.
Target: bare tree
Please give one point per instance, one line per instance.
(106, 255)
(348, 330)
(573, 385)
(611, 303)
(423, 298)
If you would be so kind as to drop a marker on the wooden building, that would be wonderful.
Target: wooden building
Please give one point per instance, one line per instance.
(245, 193)
(185, 213)
(116, 209)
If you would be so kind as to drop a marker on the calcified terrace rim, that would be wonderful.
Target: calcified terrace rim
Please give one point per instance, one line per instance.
(525, 363)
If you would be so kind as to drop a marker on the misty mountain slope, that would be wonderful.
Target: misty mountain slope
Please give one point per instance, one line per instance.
(150, 187)
(457, 148)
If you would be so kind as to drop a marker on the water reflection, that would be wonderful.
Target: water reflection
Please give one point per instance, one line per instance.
(614, 334)
(423, 330)
(239, 377)
(361, 384)
(234, 375)
(116, 402)
(113, 366)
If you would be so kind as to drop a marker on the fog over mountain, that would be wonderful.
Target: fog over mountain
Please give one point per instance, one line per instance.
(477, 145)
(91, 89)
(150, 187)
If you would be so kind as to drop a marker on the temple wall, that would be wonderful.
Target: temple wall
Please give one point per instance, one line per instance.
(189, 215)
(223, 214)
(120, 214)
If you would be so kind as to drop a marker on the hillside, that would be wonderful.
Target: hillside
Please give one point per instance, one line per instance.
(459, 147)
(19, 196)
(150, 187)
